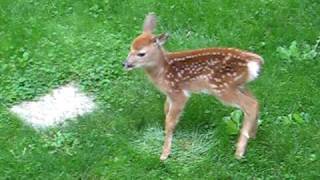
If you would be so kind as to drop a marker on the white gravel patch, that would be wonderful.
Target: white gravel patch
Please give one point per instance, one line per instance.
(66, 102)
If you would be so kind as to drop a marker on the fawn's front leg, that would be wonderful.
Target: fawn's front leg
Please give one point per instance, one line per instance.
(175, 104)
(166, 106)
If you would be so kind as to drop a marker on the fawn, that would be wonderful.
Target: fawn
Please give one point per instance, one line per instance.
(222, 72)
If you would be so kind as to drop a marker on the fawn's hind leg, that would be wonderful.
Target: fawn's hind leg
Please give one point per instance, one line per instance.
(254, 129)
(249, 105)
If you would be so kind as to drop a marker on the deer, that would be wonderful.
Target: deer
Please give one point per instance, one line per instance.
(217, 71)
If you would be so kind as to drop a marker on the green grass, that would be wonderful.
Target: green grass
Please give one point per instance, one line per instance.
(45, 44)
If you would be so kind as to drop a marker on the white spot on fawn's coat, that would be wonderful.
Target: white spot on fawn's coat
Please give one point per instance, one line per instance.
(186, 93)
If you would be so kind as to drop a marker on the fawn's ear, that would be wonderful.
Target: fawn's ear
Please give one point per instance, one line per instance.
(161, 39)
(150, 23)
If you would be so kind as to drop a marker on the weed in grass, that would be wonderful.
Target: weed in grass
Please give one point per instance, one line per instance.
(233, 122)
(297, 52)
(294, 118)
(60, 142)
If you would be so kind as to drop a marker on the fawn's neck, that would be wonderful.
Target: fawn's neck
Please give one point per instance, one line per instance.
(157, 70)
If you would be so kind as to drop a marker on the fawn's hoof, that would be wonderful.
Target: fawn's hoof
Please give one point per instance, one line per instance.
(164, 156)
(238, 156)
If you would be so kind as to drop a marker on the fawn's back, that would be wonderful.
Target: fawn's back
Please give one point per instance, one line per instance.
(211, 69)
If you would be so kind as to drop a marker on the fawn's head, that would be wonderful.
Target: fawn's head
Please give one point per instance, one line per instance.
(147, 47)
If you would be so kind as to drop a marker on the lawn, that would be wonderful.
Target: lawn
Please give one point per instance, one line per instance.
(46, 44)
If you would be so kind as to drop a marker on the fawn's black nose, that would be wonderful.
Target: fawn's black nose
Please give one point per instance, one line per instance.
(126, 65)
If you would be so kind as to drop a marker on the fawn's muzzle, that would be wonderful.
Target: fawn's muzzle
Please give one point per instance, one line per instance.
(126, 65)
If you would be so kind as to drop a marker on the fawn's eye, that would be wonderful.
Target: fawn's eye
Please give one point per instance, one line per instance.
(141, 54)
